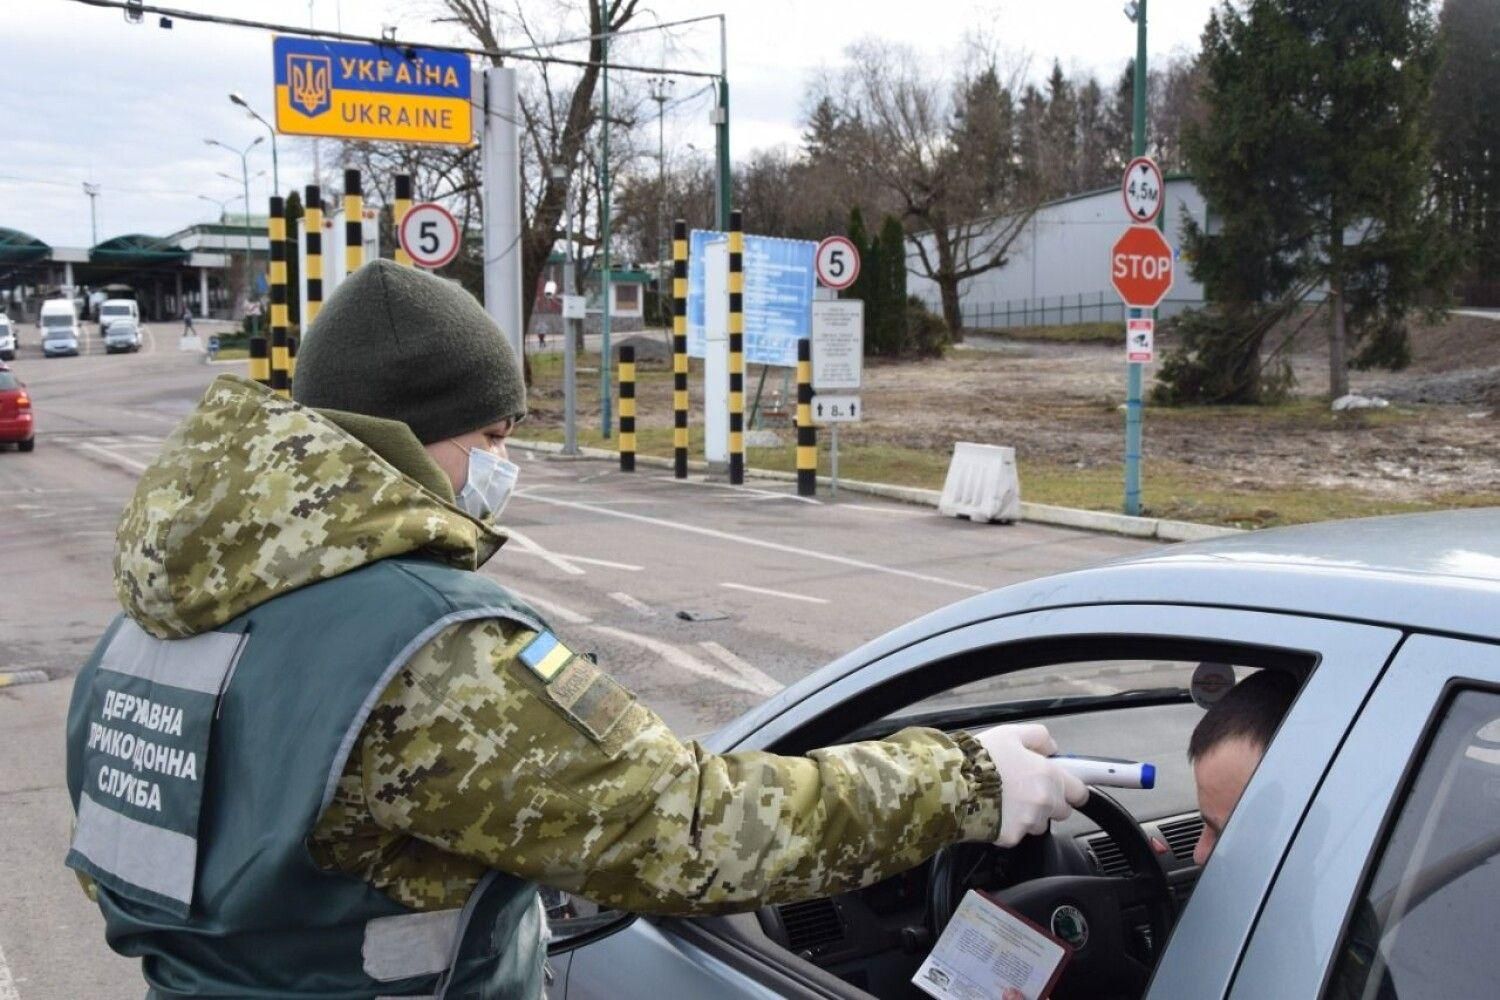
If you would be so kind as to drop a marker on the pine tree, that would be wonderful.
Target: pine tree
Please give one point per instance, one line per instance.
(1314, 157)
(1466, 122)
(885, 319)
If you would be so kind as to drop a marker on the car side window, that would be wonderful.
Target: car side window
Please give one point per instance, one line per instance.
(1423, 927)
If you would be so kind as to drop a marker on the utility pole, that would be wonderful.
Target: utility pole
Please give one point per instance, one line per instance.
(721, 126)
(606, 415)
(661, 89)
(570, 326)
(92, 190)
(1136, 11)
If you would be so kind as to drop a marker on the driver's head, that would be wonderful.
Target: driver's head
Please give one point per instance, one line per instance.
(1227, 745)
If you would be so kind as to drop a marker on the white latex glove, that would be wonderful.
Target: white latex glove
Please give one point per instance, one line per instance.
(1033, 790)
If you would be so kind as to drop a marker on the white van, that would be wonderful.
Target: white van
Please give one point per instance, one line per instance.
(59, 327)
(113, 309)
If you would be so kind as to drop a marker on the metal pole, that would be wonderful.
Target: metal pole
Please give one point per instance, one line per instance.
(502, 205)
(660, 90)
(249, 249)
(1133, 369)
(721, 129)
(606, 416)
(833, 460)
(570, 341)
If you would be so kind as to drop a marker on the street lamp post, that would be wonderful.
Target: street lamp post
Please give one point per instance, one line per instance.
(92, 190)
(235, 97)
(221, 202)
(661, 89)
(559, 174)
(244, 154)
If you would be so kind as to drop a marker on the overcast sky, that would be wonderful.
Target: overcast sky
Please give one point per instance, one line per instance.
(128, 106)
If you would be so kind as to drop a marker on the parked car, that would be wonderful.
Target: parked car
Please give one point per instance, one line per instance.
(17, 424)
(1360, 861)
(122, 335)
(7, 339)
(61, 333)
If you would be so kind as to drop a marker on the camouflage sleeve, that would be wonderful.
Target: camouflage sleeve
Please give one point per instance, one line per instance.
(552, 771)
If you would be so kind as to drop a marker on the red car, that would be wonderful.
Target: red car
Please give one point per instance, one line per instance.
(16, 423)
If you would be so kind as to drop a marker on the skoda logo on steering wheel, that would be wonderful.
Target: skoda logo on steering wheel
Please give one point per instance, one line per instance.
(1068, 923)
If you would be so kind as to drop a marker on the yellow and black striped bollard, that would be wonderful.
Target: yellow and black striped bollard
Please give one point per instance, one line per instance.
(312, 236)
(679, 350)
(399, 210)
(279, 379)
(736, 348)
(260, 354)
(807, 434)
(354, 222)
(627, 407)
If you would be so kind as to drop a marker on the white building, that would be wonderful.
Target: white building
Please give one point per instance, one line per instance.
(1058, 267)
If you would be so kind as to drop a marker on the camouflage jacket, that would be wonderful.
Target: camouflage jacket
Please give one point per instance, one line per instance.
(471, 761)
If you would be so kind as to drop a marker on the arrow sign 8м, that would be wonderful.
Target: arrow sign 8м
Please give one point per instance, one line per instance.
(1140, 267)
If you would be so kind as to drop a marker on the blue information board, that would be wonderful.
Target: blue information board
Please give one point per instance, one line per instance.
(779, 281)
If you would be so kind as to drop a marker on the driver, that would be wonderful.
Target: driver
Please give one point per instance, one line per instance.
(321, 751)
(1227, 745)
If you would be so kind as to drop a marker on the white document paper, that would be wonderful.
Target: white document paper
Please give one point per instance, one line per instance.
(985, 950)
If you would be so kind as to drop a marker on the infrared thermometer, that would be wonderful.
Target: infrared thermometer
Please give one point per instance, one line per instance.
(1107, 772)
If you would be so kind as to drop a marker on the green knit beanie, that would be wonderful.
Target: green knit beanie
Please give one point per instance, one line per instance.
(402, 344)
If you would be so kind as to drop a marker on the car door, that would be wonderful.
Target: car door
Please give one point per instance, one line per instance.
(666, 958)
(1389, 886)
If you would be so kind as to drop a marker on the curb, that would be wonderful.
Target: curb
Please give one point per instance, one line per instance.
(1160, 529)
(15, 678)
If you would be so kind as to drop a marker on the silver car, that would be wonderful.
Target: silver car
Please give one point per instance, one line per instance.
(122, 335)
(1363, 859)
(7, 339)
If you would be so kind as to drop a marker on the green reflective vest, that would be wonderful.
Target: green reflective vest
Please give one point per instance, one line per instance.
(198, 768)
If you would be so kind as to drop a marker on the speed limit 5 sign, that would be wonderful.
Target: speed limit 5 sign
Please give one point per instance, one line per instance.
(429, 234)
(837, 263)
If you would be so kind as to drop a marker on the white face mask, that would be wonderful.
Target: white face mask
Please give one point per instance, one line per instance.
(490, 482)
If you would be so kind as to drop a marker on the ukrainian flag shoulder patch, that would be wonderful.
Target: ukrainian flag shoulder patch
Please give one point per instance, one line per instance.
(545, 656)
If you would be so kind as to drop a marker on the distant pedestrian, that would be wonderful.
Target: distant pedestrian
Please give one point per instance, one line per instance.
(187, 322)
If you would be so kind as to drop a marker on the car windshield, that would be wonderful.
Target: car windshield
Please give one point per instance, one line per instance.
(116, 329)
(57, 321)
(114, 311)
(8, 381)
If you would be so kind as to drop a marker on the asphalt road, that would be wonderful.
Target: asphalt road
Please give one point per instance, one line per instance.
(781, 585)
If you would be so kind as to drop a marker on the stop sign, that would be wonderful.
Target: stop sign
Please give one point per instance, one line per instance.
(1140, 266)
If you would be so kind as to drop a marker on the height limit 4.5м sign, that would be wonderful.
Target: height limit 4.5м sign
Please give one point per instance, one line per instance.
(1143, 190)
(838, 343)
(356, 91)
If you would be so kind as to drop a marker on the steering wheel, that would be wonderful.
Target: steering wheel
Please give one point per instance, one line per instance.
(1086, 910)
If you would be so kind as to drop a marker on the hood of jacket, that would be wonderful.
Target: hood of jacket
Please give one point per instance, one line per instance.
(254, 496)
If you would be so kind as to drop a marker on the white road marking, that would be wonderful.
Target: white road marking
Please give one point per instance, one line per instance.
(639, 607)
(754, 491)
(553, 608)
(129, 463)
(694, 529)
(901, 511)
(775, 593)
(744, 669)
(689, 663)
(7, 984)
(607, 564)
(529, 546)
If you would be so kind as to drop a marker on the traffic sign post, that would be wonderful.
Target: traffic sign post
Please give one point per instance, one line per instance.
(837, 263)
(430, 235)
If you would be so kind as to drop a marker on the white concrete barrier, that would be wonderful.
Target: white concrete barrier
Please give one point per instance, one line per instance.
(981, 484)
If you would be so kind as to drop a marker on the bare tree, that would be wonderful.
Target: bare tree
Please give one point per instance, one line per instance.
(945, 153)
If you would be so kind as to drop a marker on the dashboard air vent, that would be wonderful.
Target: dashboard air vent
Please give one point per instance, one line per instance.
(1182, 835)
(811, 925)
(1107, 856)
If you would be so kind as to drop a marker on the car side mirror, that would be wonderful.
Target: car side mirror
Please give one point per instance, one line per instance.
(574, 921)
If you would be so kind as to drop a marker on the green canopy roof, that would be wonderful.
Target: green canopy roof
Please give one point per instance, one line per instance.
(17, 247)
(137, 249)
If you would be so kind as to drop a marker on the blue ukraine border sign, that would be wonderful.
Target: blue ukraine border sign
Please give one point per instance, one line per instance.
(347, 90)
